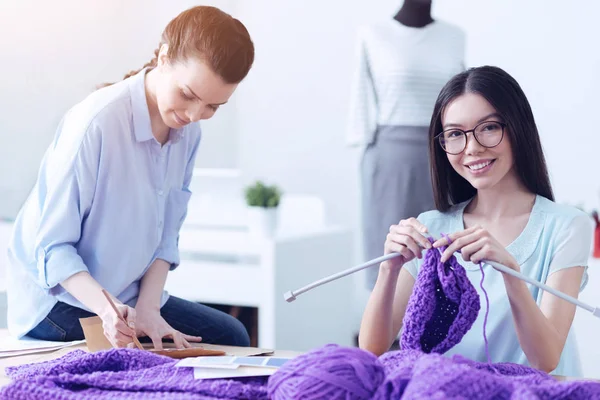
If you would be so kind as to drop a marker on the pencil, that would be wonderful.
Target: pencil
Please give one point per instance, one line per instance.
(135, 339)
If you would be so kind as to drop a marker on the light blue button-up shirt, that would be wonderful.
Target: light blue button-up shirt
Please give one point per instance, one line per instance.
(109, 200)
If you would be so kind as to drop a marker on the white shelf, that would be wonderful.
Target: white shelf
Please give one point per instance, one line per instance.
(217, 282)
(278, 265)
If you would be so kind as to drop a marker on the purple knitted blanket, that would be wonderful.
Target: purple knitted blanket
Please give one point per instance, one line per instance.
(406, 374)
(121, 374)
(411, 374)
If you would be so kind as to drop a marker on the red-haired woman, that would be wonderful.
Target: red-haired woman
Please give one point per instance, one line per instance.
(112, 193)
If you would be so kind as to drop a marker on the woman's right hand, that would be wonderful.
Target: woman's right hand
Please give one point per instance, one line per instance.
(406, 238)
(116, 331)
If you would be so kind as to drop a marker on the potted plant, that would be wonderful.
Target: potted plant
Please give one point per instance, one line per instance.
(263, 203)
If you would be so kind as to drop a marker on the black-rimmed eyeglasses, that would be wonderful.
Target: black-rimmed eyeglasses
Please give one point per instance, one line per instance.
(487, 133)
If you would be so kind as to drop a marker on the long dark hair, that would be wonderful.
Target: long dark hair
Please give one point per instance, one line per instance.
(504, 94)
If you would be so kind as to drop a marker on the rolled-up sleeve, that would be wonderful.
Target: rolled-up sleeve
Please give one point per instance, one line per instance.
(68, 178)
(175, 213)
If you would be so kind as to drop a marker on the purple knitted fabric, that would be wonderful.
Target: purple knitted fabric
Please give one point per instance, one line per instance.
(335, 372)
(442, 308)
(412, 374)
(121, 374)
(332, 372)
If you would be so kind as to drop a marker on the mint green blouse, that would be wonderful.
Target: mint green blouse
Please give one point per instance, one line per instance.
(555, 237)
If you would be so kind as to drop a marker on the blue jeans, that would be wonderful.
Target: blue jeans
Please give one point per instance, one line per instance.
(214, 326)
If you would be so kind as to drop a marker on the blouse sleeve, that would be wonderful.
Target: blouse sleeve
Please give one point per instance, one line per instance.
(412, 267)
(573, 249)
(68, 179)
(362, 110)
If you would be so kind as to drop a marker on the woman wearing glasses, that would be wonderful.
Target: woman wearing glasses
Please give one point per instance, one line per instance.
(494, 200)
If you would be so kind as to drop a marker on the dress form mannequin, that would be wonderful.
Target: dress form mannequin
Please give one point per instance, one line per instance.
(401, 65)
(415, 13)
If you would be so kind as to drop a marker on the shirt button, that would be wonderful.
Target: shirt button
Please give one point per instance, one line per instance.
(160, 192)
(160, 224)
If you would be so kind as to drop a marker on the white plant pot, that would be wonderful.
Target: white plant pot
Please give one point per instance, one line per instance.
(262, 222)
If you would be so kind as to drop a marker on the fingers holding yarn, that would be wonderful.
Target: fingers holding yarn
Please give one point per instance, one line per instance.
(415, 223)
(404, 245)
(459, 243)
(451, 239)
(413, 231)
(476, 251)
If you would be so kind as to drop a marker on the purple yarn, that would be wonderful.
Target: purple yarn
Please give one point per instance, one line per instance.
(442, 307)
(121, 374)
(331, 372)
(487, 305)
(487, 310)
(334, 372)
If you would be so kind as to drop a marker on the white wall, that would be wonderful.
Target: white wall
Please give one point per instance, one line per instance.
(54, 53)
(292, 107)
(550, 47)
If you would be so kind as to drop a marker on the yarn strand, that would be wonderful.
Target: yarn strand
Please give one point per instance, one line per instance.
(487, 305)
(487, 310)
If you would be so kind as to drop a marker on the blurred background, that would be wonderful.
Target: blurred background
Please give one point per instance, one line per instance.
(286, 125)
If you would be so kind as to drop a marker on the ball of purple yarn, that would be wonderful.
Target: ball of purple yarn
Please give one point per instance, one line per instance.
(329, 372)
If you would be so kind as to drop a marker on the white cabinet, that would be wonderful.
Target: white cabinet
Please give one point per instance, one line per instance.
(231, 267)
(5, 232)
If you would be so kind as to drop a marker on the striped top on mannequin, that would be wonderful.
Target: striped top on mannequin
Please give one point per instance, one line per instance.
(398, 74)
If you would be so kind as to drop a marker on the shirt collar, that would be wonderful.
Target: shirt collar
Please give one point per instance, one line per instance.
(142, 128)
(176, 135)
(523, 247)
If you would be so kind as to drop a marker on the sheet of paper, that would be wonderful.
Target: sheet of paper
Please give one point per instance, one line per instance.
(27, 352)
(221, 366)
(211, 373)
(238, 351)
(262, 362)
(11, 343)
(11, 346)
(209, 360)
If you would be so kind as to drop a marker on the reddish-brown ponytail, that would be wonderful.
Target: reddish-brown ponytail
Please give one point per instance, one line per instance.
(210, 35)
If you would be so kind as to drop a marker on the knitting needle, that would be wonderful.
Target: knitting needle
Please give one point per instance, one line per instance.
(594, 310)
(292, 294)
(572, 300)
(135, 339)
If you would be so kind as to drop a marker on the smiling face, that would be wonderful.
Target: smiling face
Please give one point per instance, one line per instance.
(189, 91)
(483, 167)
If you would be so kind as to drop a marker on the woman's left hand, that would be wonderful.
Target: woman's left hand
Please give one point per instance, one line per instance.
(476, 244)
(150, 323)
